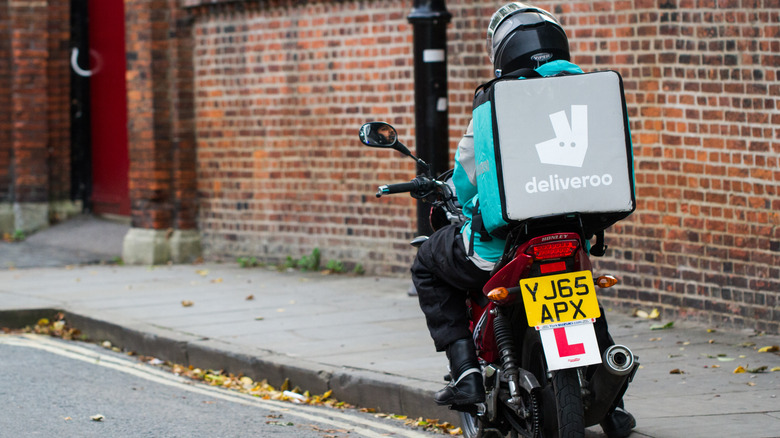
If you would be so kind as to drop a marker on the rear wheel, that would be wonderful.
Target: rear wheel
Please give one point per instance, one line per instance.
(561, 393)
(568, 399)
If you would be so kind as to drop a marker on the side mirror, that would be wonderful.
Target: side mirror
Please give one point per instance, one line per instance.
(383, 135)
(379, 135)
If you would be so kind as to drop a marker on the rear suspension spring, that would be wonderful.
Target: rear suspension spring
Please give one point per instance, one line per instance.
(506, 346)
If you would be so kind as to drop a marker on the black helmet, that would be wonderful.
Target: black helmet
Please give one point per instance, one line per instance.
(524, 36)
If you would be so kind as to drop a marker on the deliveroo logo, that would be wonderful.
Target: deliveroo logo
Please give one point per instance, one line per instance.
(568, 148)
(570, 144)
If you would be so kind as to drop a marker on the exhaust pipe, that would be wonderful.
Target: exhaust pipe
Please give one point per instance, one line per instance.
(609, 382)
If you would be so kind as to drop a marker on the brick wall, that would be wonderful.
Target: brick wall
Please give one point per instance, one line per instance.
(5, 102)
(29, 100)
(281, 88)
(160, 115)
(58, 98)
(702, 89)
(34, 102)
(281, 91)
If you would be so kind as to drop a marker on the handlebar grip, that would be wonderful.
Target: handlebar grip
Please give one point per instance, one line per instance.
(415, 184)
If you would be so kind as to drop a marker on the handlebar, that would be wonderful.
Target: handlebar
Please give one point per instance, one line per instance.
(419, 184)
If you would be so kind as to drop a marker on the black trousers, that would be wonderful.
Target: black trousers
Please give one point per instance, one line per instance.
(443, 276)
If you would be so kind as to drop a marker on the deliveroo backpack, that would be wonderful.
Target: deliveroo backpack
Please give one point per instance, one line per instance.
(553, 146)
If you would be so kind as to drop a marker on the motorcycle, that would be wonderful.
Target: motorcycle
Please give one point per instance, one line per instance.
(534, 323)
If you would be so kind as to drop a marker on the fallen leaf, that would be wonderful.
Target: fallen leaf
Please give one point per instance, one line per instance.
(676, 371)
(751, 384)
(259, 318)
(668, 325)
(217, 280)
(775, 369)
(277, 423)
(97, 417)
(739, 370)
(187, 303)
(769, 349)
(202, 272)
(760, 369)
(250, 298)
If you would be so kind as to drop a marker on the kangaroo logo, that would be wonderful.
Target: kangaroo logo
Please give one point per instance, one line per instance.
(570, 144)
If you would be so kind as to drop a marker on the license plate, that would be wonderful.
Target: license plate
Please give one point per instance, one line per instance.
(560, 298)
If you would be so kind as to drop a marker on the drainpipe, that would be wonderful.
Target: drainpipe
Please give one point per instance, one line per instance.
(429, 19)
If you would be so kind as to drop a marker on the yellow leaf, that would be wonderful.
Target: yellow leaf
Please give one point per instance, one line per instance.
(654, 314)
(775, 369)
(769, 349)
(456, 431)
(43, 322)
(202, 272)
(740, 369)
(187, 303)
(217, 280)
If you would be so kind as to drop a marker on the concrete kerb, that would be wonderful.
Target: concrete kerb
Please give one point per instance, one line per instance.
(383, 392)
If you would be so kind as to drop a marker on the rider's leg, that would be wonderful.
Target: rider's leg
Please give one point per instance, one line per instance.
(442, 276)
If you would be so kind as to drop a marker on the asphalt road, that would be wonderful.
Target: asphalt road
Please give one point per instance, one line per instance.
(58, 388)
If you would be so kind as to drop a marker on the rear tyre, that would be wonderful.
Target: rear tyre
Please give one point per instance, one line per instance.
(561, 395)
(568, 398)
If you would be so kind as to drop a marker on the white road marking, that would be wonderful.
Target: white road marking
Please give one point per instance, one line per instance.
(339, 419)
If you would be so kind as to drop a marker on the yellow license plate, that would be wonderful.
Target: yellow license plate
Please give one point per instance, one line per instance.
(560, 298)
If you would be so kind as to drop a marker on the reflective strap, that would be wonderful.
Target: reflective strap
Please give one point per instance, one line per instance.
(466, 373)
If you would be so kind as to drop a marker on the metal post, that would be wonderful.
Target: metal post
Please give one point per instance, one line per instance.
(429, 19)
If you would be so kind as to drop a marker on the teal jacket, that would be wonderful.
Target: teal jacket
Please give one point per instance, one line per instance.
(486, 253)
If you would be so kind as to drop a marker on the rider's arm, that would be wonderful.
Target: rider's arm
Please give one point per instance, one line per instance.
(465, 175)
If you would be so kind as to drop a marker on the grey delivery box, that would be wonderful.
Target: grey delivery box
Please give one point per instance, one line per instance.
(554, 146)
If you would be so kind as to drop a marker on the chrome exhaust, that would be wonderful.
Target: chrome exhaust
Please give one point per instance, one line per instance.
(609, 382)
(619, 360)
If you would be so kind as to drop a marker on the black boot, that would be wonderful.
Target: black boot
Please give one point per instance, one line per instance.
(618, 423)
(466, 387)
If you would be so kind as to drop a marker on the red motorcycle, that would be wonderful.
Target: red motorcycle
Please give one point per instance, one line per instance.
(534, 326)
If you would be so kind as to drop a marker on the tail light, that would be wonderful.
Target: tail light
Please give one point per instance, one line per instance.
(553, 250)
